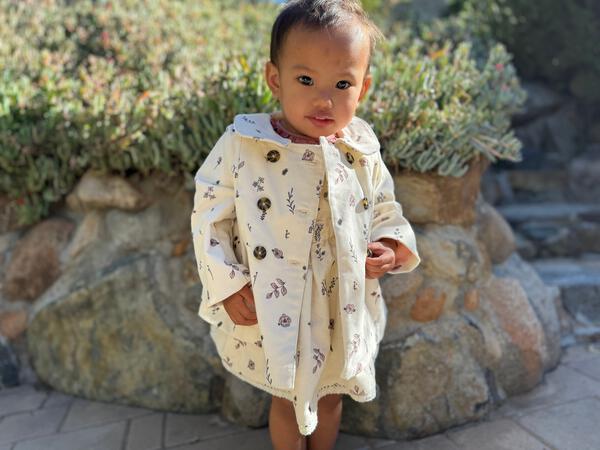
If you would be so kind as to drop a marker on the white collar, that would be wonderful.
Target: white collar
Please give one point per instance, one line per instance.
(357, 134)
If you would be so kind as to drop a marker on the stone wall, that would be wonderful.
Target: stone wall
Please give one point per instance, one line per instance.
(100, 300)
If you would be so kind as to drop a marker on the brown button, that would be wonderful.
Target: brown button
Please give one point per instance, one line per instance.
(264, 203)
(349, 157)
(326, 194)
(365, 203)
(273, 156)
(260, 252)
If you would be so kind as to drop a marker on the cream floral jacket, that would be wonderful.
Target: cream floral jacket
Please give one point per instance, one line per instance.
(252, 222)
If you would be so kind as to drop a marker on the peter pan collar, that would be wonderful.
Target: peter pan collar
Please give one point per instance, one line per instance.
(357, 134)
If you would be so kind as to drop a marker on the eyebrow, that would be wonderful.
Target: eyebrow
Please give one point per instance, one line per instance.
(303, 67)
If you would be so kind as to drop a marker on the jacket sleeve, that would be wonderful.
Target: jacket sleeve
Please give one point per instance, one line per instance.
(388, 221)
(212, 223)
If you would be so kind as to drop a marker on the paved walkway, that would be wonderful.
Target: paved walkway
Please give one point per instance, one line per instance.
(562, 413)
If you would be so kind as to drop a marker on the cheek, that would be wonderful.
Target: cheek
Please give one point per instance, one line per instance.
(350, 101)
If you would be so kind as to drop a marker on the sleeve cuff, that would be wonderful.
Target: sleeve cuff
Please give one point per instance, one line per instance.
(407, 266)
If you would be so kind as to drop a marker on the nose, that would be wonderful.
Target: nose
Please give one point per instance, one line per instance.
(324, 99)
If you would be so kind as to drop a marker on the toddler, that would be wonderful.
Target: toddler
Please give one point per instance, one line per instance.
(295, 221)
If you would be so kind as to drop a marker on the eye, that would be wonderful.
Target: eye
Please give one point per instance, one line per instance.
(343, 84)
(305, 80)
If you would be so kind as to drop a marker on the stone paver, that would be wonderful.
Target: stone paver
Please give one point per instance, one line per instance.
(255, 440)
(561, 385)
(562, 413)
(189, 428)
(589, 367)
(145, 433)
(376, 443)
(56, 398)
(580, 353)
(571, 426)
(20, 399)
(500, 434)
(106, 437)
(85, 413)
(439, 442)
(31, 424)
(351, 442)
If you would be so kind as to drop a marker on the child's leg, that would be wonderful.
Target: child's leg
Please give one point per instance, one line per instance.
(283, 426)
(329, 413)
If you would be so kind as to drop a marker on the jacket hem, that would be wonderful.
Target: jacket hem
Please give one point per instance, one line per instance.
(307, 429)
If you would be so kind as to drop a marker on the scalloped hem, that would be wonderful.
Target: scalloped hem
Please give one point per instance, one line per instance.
(310, 426)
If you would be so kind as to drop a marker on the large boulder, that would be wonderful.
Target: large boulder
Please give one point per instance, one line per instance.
(461, 335)
(121, 324)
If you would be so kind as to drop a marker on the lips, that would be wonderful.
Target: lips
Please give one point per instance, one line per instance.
(321, 120)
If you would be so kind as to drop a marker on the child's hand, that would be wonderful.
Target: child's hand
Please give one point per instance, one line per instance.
(403, 254)
(383, 258)
(240, 307)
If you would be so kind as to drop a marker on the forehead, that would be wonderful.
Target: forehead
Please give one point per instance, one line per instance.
(348, 46)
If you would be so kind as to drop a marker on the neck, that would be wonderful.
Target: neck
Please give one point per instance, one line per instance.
(280, 128)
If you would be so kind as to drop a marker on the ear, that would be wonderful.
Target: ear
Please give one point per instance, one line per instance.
(272, 77)
(365, 86)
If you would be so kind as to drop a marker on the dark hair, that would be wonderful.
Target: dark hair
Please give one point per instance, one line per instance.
(319, 14)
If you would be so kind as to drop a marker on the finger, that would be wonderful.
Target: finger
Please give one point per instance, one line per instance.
(236, 318)
(241, 320)
(249, 303)
(380, 260)
(377, 273)
(248, 297)
(374, 263)
(246, 313)
(243, 309)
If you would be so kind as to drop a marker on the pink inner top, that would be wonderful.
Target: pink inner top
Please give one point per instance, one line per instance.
(281, 130)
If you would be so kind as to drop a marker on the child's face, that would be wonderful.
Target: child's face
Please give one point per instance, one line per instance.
(320, 78)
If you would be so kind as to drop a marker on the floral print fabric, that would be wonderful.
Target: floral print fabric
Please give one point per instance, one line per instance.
(293, 220)
(320, 351)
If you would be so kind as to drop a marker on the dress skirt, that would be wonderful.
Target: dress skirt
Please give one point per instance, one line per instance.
(320, 349)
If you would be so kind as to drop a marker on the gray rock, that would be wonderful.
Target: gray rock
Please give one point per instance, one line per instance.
(538, 185)
(543, 299)
(429, 382)
(556, 229)
(579, 284)
(584, 178)
(524, 212)
(9, 365)
(540, 101)
(96, 190)
(562, 135)
(526, 249)
(452, 253)
(160, 223)
(244, 404)
(129, 334)
(35, 261)
(494, 232)
(513, 332)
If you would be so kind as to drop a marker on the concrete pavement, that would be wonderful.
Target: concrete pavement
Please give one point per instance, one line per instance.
(562, 413)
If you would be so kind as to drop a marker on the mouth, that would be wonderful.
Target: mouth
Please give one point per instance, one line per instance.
(321, 120)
